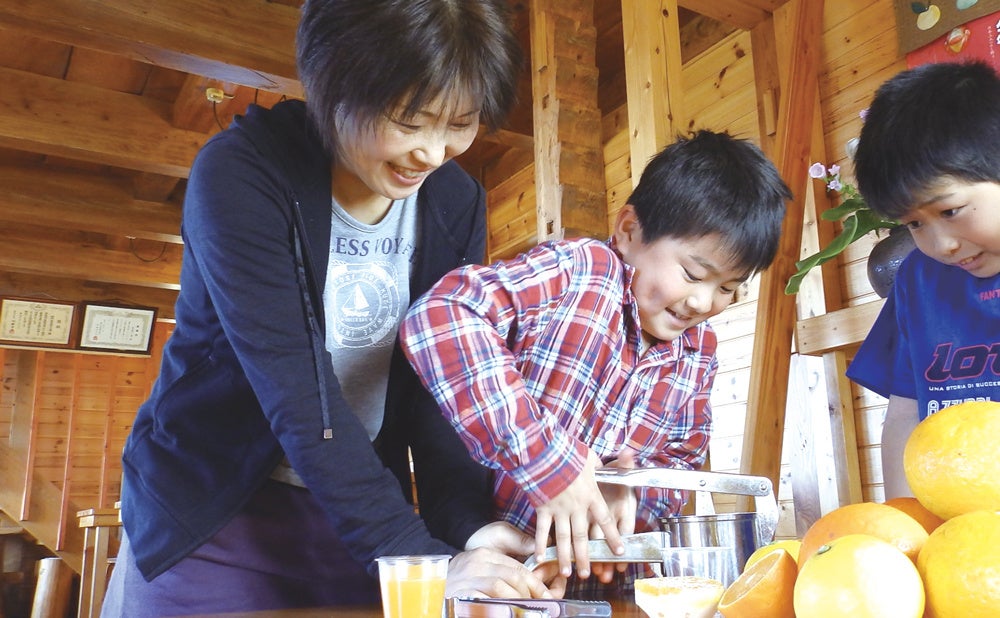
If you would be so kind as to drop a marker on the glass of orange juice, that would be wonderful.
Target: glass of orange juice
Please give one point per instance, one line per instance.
(413, 586)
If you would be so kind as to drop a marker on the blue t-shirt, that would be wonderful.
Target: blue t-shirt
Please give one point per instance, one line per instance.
(937, 339)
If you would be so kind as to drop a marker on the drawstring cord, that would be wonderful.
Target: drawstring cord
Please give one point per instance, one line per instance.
(318, 348)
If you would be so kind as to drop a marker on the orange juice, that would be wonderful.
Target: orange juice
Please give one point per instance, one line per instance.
(413, 598)
(413, 586)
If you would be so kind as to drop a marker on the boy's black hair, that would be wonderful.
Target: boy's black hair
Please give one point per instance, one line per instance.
(713, 183)
(362, 59)
(925, 124)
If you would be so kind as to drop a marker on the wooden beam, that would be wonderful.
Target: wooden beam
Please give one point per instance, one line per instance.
(653, 77)
(506, 137)
(77, 121)
(249, 42)
(77, 201)
(740, 13)
(776, 316)
(838, 330)
(29, 251)
(767, 82)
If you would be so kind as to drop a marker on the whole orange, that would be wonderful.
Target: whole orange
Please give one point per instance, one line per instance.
(960, 564)
(765, 588)
(878, 520)
(951, 462)
(912, 507)
(859, 576)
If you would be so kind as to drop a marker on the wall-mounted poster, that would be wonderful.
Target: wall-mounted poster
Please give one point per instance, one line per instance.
(24, 321)
(978, 39)
(921, 22)
(118, 329)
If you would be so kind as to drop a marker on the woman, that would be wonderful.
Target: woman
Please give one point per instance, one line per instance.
(254, 477)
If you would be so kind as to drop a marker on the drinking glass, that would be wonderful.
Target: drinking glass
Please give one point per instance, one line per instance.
(718, 563)
(413, 586)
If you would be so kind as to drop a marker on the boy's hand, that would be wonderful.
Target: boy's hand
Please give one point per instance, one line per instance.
(623, 505)
(572, 513)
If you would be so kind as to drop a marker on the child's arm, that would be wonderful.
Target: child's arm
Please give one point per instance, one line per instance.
(901, 418)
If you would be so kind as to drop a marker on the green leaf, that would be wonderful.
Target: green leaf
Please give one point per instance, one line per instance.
(868, 221)
(847, 207)
(827, 253)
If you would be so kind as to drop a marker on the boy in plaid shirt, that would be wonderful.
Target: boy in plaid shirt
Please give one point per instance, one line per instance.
(582, 353)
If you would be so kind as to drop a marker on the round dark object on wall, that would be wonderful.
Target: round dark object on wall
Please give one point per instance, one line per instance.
(885, 258)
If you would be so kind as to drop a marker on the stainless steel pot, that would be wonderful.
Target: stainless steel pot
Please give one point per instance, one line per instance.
(744, 532)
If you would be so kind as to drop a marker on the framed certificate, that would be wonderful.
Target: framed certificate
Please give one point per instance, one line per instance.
(117, 329)
(25, 321)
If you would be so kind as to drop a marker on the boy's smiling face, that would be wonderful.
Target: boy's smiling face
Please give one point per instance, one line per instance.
(958, 223)
(679, 282)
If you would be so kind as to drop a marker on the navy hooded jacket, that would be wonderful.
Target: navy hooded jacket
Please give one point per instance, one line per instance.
(245, 381)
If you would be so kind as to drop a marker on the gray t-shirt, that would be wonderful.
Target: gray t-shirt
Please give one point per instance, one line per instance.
(366, 296)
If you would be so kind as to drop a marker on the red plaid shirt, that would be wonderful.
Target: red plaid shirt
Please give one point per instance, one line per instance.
(535, 359)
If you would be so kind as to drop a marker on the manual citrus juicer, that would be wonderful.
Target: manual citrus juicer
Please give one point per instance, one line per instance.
(743, 532)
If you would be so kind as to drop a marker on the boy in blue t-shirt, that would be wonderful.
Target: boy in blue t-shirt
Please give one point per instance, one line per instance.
(929, 156)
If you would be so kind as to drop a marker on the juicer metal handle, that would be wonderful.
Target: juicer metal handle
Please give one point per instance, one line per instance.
(765, 503)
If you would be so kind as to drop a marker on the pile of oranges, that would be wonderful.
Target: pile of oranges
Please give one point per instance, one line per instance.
(936, 555)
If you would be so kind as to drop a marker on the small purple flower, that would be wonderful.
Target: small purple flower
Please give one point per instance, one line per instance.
(834, 184)
(835, 170)
(863, 114)
(817, 170)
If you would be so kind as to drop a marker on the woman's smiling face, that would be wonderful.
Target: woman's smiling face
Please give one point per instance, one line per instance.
(393, 157)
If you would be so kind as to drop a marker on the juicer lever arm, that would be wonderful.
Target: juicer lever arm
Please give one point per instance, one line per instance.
(765, 503)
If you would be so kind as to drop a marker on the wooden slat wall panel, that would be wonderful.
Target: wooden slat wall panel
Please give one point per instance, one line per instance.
(511, 216)
(8, 377)
(84, 408)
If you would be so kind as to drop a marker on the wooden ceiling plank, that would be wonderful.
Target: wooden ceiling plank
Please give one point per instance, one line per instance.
(776, 311)
(739, 13)
(653, 76)
(109, 71)
(28, 53)
(33, 256)
(75, 201)
(78, 121)
(154, 187)
(247, 42)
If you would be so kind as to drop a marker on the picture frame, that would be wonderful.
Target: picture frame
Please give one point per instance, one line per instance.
(117, 328)
(37, 323)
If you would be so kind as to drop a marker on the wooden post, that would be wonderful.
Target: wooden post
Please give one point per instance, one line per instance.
(776, 314)
(569, 160)
(100, 529)
(52, 590)
(653, 78)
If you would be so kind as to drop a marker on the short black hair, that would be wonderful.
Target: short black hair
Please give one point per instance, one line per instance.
(363, 59)
(926, 124)
(711, 183)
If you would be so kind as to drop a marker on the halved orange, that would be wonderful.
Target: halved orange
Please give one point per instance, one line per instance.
(765, 588)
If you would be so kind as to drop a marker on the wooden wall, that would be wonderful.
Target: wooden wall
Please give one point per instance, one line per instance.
(64, 417)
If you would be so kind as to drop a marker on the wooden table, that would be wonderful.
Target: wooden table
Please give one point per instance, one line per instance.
(619, 609)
